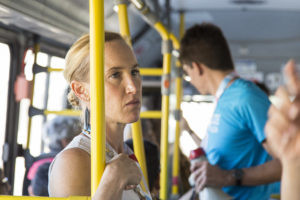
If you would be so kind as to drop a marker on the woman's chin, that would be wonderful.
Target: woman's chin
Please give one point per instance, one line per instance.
(133, 119)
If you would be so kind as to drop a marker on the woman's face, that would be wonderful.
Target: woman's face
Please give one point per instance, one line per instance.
(122, 83)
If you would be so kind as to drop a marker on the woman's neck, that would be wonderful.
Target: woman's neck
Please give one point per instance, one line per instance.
(114, 136)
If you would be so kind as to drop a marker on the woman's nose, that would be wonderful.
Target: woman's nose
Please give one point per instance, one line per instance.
(131, 86)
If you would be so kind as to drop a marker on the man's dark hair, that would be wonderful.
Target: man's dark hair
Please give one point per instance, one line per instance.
(205, 43)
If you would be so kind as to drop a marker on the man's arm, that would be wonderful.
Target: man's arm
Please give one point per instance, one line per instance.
(209, 175)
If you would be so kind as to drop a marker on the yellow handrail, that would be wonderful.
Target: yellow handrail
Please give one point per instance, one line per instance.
(63, 112)
(151, 71)
(176, 156)
(123, 23)
(164, 131)
(141, 6)
(54, 69)
(150, 114)
(138, 142)
(139, 150)
(161, 29)
(181, 25)
(175, 41)
(36, 50)
(97, 92)
(68, 112)
(44, 198)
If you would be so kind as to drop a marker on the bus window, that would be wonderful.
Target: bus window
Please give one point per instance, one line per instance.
(37, 121)
(58, 86)
(4, 76)
(195, 112)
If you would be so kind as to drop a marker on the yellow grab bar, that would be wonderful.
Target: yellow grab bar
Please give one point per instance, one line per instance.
(97, 92)
(63, 112)
(176, 155)
(151, 71)
(123, 23)
(43, 198)
(54, 69)
(151, 114)
(138, 142)
(175, 41)
(36, 50)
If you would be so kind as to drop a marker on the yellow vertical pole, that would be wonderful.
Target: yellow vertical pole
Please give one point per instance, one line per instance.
(181, 25)
(165, 110)
(176, 156)
(36, 50)
(138, 143)
(97, 92)
(123, 22)
(139, 149)
(164, 131)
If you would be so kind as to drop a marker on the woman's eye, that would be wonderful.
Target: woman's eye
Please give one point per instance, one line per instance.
(115, 75)
(135, 72)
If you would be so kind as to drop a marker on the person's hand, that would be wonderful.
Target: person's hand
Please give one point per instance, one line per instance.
(184, 125)
(283, 126)
(207, 175)
(125, 170)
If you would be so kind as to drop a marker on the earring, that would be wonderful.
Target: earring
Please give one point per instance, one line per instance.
(87, 120)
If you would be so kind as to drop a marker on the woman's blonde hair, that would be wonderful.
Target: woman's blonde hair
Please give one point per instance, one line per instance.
(78, 62)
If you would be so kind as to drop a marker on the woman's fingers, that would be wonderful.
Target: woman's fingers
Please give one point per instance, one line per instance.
(293, 84)
(126, 170)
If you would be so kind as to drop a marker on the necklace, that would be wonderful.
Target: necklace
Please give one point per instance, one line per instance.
(111, 154)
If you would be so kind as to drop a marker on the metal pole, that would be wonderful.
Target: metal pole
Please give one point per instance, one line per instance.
(36, 50)
(166, 49)
(176, 155)
(138, 142)
(97, 92)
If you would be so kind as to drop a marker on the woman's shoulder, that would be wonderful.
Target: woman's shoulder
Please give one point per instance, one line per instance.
(70, 174)
(73, 158)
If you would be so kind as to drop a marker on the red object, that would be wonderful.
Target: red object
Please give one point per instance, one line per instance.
(175, 180)
(22, 88)
(33, 169)
(197, 153)
(166, 84)
(132, 156)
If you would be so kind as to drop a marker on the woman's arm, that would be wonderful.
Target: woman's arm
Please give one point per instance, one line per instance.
(70, 176)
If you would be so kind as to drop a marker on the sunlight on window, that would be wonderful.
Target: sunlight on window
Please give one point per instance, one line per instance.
(198, 116)
(55, 102)
(4, 78)
(57, 91)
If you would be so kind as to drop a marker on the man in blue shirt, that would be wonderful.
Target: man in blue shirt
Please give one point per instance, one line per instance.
(236, 147)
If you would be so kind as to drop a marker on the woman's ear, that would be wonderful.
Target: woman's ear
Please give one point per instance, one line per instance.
(80, 90)
(198, 68)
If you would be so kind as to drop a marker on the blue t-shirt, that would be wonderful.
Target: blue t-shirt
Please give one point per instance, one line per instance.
(236, 132)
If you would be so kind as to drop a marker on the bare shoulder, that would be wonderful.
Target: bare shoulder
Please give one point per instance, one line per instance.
(71, 174)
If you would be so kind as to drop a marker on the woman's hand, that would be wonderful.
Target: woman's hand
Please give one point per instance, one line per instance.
(283, 127)
(184, 125)
(120, 173)
(125, 170)
(283, 133)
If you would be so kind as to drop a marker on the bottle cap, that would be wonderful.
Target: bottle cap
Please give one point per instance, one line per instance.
(132, 156)
(197, 153)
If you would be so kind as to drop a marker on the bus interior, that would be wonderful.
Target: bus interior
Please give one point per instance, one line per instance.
(262, 35)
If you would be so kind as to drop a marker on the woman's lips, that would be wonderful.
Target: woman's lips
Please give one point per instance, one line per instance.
(133, 103)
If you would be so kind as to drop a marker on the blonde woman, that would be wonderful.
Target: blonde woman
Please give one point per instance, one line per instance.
(70, 173)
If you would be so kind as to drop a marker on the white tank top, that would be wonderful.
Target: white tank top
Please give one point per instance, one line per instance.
(84, 143)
